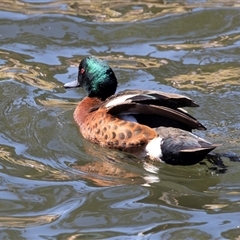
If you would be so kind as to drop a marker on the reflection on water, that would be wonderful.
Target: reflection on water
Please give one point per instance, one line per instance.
(56, 185)
(14, 69)
(207, 80)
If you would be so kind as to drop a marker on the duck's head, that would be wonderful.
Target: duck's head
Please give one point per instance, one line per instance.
(96, 77)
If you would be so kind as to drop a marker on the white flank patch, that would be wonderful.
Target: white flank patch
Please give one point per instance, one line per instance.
(128, 118)
(153, 148)
(119, 100)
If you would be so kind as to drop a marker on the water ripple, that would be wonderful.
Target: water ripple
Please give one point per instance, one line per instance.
(56, 185)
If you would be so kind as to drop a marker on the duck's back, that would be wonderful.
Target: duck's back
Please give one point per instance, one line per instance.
(154, 109)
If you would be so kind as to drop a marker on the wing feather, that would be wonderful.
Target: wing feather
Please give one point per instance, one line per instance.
(155, 103)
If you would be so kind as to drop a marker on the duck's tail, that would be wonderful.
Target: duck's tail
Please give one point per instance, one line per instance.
(179, 147)
(217, 160)
(189, 156)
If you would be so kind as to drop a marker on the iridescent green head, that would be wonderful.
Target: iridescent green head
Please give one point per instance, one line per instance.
(96, 77)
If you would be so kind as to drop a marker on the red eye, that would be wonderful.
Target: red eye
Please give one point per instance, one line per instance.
(82, 70)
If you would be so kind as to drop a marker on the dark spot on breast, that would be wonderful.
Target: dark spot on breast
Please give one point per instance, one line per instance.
(142, 143)
(121, 136)
(116, 142)
(113, 135)
(131, 144)
(100, 121)
(115, 127)
(128, 134)
(98, 131)
(106, 137)
(104, 129)
(137, 130)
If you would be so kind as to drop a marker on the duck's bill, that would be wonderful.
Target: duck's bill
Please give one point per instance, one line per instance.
(72, 84)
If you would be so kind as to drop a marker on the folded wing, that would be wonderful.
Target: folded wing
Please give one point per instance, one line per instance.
(154, 108)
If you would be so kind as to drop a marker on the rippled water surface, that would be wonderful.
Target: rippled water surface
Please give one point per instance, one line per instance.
(56, 185)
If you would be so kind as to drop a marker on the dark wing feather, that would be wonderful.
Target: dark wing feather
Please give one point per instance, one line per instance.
(154, 108)
(171, 100)
(158, 112)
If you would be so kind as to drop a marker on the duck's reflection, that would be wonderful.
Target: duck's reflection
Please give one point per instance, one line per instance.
(110, 167)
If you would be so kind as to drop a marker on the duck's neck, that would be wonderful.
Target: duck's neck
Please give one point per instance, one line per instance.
(85, 107)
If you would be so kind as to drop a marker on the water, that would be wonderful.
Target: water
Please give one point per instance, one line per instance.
(56, 185)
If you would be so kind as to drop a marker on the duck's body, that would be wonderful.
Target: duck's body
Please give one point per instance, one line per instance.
(108, 130)
(147, 123)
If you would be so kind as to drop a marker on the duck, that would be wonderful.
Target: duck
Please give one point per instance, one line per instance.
(147, 123)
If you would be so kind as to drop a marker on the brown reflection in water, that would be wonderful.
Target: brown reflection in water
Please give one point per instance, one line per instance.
(123, 11)
(22, 222)
(193, 46)
(109, 167)
(172, 199)
(14, 69)
(120, 61)
(215, 206)
(107, 174)
(221, 41)
(40, 171)
(206, 80)
(57, 103)
(103, 11)
(111, 11)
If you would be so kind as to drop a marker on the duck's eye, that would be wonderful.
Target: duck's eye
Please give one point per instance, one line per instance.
(82, 70)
